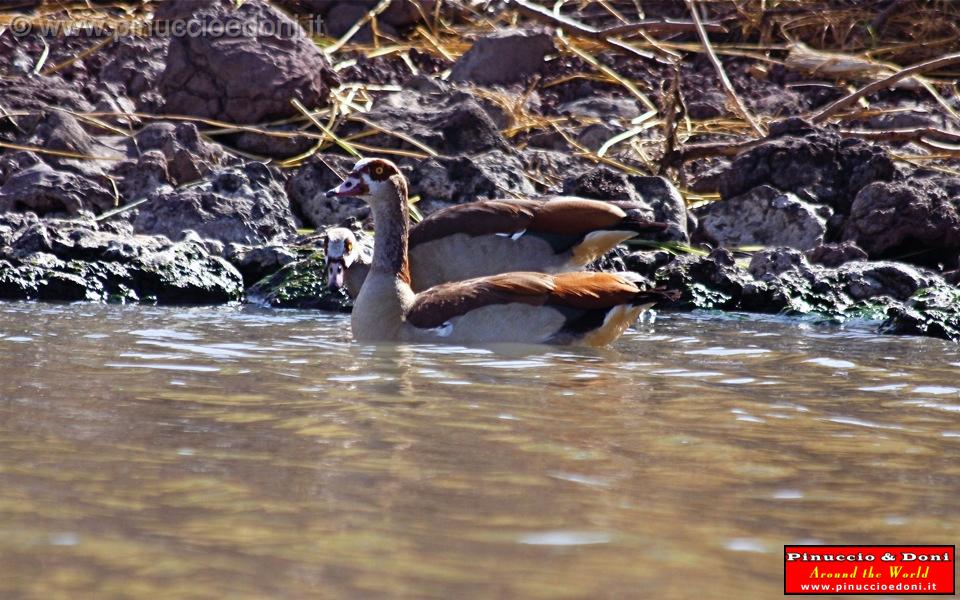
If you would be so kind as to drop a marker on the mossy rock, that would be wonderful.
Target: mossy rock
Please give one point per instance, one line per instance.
(933, 311)
(181, 274)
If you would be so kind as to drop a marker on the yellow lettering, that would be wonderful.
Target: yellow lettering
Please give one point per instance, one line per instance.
(895, 571)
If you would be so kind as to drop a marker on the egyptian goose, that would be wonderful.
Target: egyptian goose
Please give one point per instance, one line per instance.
(496, 236)
(346, 265)
(570, 308)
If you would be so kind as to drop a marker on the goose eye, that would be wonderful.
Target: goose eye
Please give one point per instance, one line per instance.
(349, 245)
(378, 171)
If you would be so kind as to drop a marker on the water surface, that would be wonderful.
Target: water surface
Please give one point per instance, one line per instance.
(213, 453)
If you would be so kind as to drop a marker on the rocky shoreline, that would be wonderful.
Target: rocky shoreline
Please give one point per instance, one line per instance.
(176, 170)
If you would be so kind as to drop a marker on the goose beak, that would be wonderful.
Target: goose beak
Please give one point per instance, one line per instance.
(351, 186)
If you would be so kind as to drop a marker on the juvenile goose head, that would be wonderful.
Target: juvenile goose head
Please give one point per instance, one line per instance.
(347, 261)
(341, 252)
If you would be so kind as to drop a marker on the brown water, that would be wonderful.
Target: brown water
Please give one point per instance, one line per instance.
(234, 453)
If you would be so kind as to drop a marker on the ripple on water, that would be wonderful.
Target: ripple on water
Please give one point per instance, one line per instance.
(890, 387)
(566, 538)
(934, 405)
(720, 351)
(745, 545)
(163, 367)
(861, 423)
(212, 350)
(937, 390)
(833, 363)
(685, 373)
(788, 494)
(586, 480)
(67, 538)
(164, 334)
(352, 378)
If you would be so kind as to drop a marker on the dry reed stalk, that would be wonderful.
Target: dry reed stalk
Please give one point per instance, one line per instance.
(916, 69)
(629, 85)
(902, 135)
(60, 153)
(727, 86)
(674, 104)
(326, 130)
(402, 136)
(370, 15)
(836, 65)
(592, 156)
(642, 123)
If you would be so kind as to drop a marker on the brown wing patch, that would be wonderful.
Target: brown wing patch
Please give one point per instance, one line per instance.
(587, 291)
(575, 216)
(592, 290)
(441, 303)
(486, 217)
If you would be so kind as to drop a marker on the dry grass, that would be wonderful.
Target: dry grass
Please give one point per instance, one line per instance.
(847, 44)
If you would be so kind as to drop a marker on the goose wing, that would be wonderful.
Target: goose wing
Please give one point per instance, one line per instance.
(568, 292)
(563, 222)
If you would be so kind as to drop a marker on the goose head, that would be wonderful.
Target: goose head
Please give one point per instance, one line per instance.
(341, 251)
(375, 180)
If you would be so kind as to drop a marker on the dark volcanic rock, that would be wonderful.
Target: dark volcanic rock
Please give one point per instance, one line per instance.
(189, 156)
(443, 180)
(38, 188)
(647, 262)
(136, 64)
(172, 10)
(270, 145)
(145, 176)
(57, 130)
(763, 216)
(816, 165)
(853, 281)
(932, 312)
(646, 197)
(781, 280)
(344, 15)
(242, 205)
(915, 220)
(76, 260)
(244, 78)
(37, 95)
(307, 187)
(863, 280)
(400, 13)
(450, 122)
(505, 56)
(255, 263)
(553, 165)
(600, 183)
(715, 281)
(165, 155)
(834, 255)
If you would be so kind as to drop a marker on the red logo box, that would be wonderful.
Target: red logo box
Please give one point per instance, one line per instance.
(869, 570)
